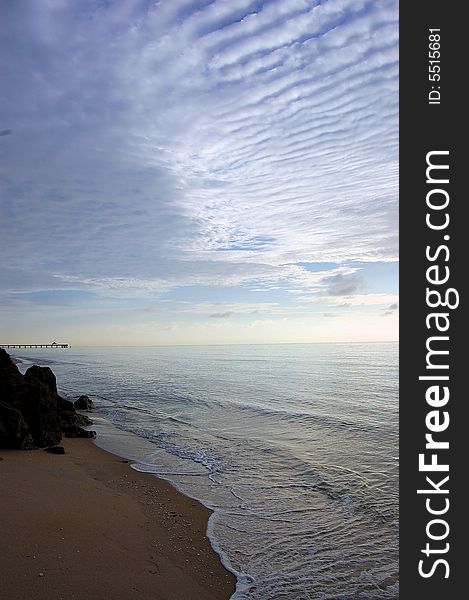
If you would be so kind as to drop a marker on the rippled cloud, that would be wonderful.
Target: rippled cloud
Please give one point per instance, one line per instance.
(166, 144)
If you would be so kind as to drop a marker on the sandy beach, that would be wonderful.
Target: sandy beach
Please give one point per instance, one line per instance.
(84, 525)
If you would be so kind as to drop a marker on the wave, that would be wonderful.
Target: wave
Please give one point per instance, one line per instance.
(343, 486)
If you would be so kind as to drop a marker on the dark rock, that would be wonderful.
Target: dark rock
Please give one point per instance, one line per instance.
(34, 396)
(8, 372)
(79, 432)
(65, 406)
(14, 432)
(83, 403)
(72, 421)
(55, 449)
(39, 409)
(45, 376)
(88, 433)
(84, 420)
(68, 415)
(31, 411)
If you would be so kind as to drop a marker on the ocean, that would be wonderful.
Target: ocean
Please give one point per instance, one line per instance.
(293, 446)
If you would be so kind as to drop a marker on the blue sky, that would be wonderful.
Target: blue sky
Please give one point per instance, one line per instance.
(216, 171)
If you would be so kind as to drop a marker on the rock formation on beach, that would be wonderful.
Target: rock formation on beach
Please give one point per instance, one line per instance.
(83, 403)
(32, 414)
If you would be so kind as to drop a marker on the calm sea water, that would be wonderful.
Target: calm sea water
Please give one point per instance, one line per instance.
(295, 448)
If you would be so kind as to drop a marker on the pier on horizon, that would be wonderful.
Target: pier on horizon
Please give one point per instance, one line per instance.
(53, 345)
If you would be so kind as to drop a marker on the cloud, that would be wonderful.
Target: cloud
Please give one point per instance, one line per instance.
(344, 285)
(362, 299)
(226, 309)
(4, 132)
(391, 309)
(160, 145)
(331, 315)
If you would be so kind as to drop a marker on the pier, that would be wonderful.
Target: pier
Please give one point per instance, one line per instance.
(53, 345)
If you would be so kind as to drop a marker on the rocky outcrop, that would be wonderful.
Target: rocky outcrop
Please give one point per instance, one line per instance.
(83, 403)
(72, 422)
(55, 450)
(31, 411)
(36, 402)
(14, 432)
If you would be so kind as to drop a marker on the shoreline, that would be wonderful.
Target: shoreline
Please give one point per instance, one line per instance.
(133, 448)
(85, 521)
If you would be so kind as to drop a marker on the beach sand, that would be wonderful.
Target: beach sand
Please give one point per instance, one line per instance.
(84, 525)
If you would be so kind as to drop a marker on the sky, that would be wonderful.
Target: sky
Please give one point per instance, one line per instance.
(198, 171)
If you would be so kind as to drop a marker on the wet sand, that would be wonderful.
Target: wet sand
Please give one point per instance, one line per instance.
(84, 525)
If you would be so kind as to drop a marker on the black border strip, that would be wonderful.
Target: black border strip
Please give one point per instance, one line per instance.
(424, 128)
